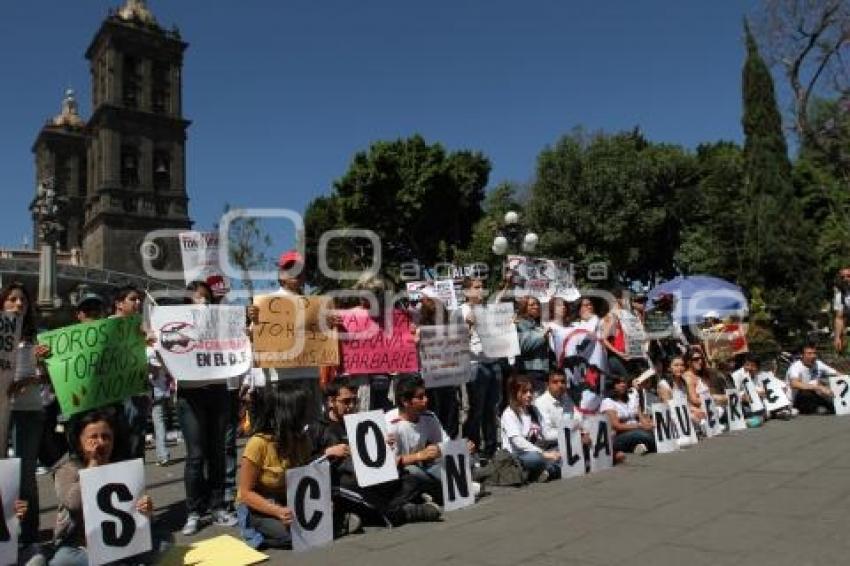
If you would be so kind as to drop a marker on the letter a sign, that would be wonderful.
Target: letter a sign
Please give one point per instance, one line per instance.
(308, 493)
(114, 528)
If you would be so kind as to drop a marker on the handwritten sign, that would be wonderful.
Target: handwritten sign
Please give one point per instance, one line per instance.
(444, 355)
(201, 342)
(495, 326)
(96, 363)
(199, 251)
(370, 347)
(292, 332)
(10, 336)
(634, 334)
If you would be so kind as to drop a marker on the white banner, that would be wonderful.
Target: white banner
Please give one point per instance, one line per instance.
(374, 461)
(495, 326)
(542, 278)
(10, 479)
(602, 445)
(774, 392)
(735, 411)
(457, 475)
(841, 396)
(114, 528)
(202, 342)
(199, 251)
(444, 357)
(308, 494)
(445, 289)
(666, 432)
(634, 334)
(712, 417)
(571, 448)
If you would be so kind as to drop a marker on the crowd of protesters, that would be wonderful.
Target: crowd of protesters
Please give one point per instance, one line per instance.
(573, 361)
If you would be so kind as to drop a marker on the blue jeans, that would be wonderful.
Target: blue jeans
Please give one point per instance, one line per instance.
(230, 459)
(159, 429)
(26, 439)
(136, 418)
(260, 530)
(70, 556)
(484, 393)
(628, 440)
(203, 413)
(534, 463)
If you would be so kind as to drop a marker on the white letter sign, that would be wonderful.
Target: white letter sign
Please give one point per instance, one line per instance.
(665, 428)
(114, 528)
(601, 449)
(374, 462)
(735, 411)
(457, 475)
(308, 494)
(571, 449)
(840, 385)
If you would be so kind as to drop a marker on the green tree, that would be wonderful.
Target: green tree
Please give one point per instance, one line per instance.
(421, 201)
(248, 247)
(779, 246)
(611, 198)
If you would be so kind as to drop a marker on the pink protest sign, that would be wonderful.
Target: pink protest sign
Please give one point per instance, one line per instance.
(377, 346)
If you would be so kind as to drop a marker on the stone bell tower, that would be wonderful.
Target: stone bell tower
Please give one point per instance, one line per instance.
(136, 158)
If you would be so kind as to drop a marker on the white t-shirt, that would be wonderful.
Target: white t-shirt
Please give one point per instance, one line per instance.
(414, 436)
(552, 412)
(624, 411)
(814, 374)
(519, 432)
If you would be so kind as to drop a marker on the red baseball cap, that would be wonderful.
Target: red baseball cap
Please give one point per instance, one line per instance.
(290, 257)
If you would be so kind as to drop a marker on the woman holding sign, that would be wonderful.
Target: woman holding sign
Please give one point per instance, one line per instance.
(280, 442)
(92, 439)
(533, 359)
(21, 403)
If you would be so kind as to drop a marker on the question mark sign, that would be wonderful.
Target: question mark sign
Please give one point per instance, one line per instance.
(846, 386)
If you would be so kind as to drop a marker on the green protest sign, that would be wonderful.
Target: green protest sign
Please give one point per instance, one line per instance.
(96, 363)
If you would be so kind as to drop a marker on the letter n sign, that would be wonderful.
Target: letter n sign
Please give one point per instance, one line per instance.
(114, 528)
(374, 463)
(457, 475)
(308, 493)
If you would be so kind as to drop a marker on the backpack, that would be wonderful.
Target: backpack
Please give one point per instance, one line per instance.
(503, 470)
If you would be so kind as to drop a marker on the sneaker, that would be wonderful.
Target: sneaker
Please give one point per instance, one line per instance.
(222, 518)
(351, 524)
(41, 470)
(163, 463)
(32, 555)
(193, 524)
(543, 477)
(476, 489)
(426, 498)
(421, 512)
(641, 449)
(795, 411)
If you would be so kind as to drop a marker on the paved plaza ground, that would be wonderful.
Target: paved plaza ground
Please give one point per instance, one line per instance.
(776, 495)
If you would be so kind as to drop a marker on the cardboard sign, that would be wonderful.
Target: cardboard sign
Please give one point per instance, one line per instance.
(665, 429)
(114, 528)
(495, 326)
(735, 411)
(10, 336)
(841, 396)
(634, 334)
(756, 404)
(308, 494)
(291, 332)
(684, 425)
(10, 481)
(202, 342)
(199, 251)
(370, 347)
(96, 363)
(602, 445)
(542, 278)
(774, 392)
(457, 475)
(374, 462)
(444, 355)
(571, 449)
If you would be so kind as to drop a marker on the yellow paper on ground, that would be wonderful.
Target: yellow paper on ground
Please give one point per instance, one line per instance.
(223, 550)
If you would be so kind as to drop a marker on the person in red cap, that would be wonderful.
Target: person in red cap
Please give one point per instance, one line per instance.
(291, 274)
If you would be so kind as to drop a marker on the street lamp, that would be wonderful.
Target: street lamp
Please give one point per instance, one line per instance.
(514, 233)
(47, 208)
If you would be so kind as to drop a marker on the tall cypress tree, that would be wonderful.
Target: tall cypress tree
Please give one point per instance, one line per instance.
(778, 245)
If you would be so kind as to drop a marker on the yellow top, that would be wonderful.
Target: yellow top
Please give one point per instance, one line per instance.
(261, 450)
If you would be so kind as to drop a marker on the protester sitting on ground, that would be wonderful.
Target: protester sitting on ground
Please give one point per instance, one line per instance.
(203, 411)
(533, 359)
(416, 434)
(633, 432)
(553, 406)
(92, 439)
(484, 391)
(808, 377)
(280, 442)
(445, 400)
(674, 387)
(697, 378)
(394, 501)
(748, 370)
(522, 433)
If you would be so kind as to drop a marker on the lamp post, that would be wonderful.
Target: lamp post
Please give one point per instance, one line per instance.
(47, 208)
(513, 234)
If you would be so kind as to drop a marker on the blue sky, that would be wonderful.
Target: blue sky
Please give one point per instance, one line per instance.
(282, 94)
